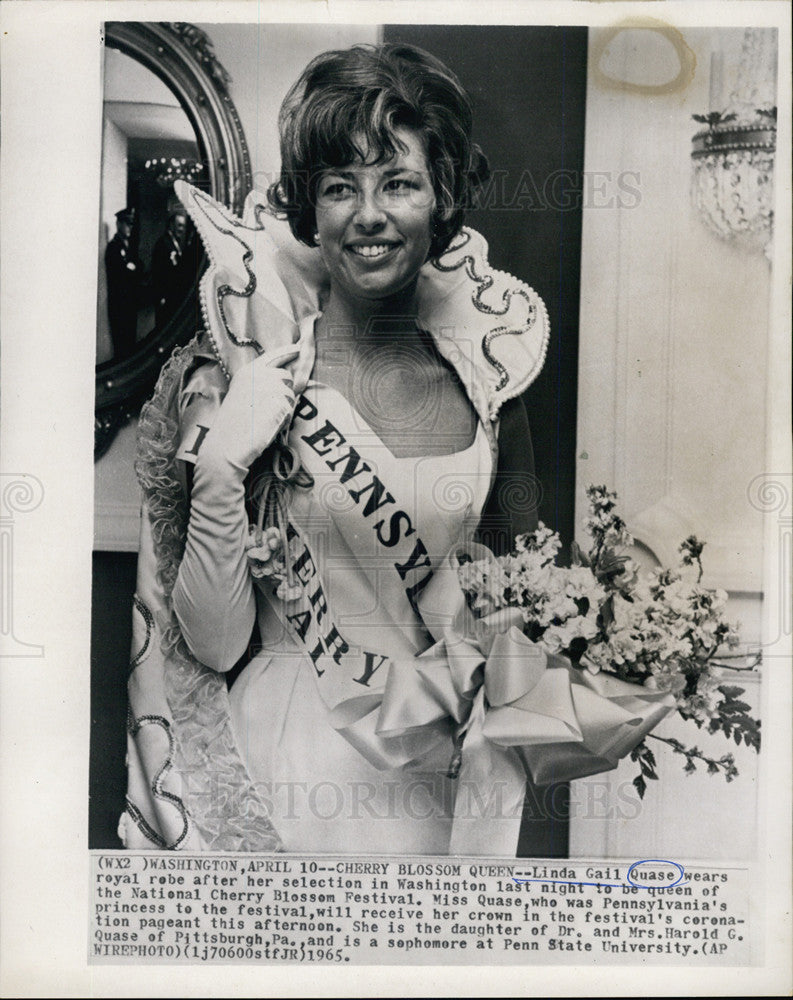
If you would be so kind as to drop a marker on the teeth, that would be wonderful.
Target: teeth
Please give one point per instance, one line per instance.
(372, 251)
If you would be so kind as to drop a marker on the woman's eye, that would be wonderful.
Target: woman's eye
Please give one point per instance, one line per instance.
(337, 190)
(399, 184)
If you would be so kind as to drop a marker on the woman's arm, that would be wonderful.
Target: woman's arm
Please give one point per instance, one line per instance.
(213, 598)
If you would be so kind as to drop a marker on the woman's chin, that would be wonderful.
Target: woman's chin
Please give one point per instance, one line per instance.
(374, 285)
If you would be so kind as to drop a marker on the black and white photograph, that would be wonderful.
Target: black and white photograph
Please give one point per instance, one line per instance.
(415, 508)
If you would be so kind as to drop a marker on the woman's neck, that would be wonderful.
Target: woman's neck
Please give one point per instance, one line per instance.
(369, 321)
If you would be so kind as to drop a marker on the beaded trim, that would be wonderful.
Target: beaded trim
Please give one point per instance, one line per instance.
(139, 820)
(520, 289)
(156, 785)
(148, 619)
(488, 339)
(225, 290)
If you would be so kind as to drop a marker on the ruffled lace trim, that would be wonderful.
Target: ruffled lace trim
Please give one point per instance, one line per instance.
(220, 797)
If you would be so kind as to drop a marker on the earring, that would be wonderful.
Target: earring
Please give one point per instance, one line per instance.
(316, 239)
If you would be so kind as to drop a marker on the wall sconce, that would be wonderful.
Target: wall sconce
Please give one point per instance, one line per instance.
(733, 158)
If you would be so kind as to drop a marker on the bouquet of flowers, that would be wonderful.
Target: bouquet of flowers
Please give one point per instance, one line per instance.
(660, 631)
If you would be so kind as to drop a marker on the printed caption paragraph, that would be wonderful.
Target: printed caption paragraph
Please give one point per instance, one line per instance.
(175, 908)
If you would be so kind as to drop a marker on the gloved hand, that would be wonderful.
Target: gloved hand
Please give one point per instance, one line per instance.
(213, 597)
(259, 401)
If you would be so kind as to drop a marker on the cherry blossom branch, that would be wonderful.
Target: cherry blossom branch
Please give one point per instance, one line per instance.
(727, 762)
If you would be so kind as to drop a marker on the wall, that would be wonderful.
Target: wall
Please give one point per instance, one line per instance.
(263, 65)
(673, 379)
(113, 575)
(672, 407)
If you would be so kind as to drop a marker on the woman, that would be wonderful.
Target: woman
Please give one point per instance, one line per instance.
(371, 436)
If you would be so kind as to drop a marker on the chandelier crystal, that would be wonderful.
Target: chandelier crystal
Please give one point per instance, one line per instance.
(733, 157)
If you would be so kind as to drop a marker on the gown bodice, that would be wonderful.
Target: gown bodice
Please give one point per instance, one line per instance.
(378, 523)
(374, 526)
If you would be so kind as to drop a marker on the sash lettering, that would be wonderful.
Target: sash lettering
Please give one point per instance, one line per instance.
(357, 477)
(370, 668)
(202, 433)
(346, 672)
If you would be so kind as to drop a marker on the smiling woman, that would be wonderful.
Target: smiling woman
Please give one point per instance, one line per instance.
(374, 230)
(338, 438)
(374, 222)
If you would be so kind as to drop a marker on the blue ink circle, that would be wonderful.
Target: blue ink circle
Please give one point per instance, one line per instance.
(656, 861)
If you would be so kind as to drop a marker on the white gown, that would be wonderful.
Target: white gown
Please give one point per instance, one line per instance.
(325, 794)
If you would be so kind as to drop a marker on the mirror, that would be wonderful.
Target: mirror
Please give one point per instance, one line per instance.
(167, 114)
(147, 253)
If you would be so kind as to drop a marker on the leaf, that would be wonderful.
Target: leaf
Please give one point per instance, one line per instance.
(649, 757)
(737, 736)
(730, 692)
(739, 706)
(640, 785)
(577, 648)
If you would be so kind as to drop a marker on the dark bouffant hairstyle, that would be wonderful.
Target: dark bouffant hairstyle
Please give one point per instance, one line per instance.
(366, 93)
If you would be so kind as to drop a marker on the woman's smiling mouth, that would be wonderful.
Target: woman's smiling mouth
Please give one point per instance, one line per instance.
(371, 250)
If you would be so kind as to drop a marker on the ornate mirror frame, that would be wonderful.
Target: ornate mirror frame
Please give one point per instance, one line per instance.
(182, 56)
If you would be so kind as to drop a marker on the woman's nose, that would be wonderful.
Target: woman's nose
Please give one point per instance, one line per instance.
(369, 213)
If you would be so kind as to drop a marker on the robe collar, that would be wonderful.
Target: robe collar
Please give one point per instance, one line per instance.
(263, 289)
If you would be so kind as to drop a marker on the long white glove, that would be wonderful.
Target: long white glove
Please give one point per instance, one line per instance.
(213, 598)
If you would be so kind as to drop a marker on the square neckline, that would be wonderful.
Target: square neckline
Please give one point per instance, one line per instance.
(397, 458)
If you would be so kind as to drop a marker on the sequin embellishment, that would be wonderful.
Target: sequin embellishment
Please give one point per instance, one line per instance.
(148, 619)
(483, 284)
(156, 786)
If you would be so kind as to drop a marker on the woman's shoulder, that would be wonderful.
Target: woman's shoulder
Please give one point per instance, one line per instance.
(204, 377)
(173, 422)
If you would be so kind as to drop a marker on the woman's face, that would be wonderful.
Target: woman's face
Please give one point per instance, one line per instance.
(374, 221)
